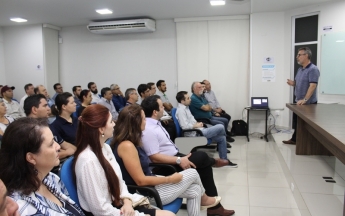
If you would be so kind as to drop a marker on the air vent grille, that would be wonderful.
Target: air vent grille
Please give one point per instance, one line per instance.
(117, 26)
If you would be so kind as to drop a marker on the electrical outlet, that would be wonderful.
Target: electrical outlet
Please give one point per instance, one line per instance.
(277, 113)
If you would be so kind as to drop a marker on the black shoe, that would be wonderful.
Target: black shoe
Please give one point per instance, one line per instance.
(228, 145)
(227, 151)
(231, 164)
(229, 139)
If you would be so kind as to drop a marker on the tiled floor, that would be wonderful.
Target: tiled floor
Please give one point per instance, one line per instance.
(261, 185)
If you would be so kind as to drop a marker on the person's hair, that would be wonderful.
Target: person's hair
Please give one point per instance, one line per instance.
(159, 82)
(32, 101)
(150, 104)
(90, 84)
(92, 118)
(83, 93)
(61, 99)
(1, 86)
(113, 86)
(181, 96)
(150, 84)
(56, 85)
(22, 136)
(306, 51)
(142, 88)
(104, 91)
(128, 92)
(202, 83)
(26, 87)
(193, 85)
(75, 88)
(128, 126)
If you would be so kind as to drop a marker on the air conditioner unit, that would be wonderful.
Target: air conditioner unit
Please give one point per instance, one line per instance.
(123, 26)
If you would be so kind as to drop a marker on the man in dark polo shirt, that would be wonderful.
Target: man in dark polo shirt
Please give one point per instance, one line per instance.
(305, 84)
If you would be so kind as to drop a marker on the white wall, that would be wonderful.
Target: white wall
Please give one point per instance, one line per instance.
(125, 59)
(2, 60)
(23, 50)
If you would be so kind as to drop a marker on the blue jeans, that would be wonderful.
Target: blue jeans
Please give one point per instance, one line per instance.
(217, 134)
(220, 120)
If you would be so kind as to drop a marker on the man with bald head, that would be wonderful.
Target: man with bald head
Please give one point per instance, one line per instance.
(201, 109)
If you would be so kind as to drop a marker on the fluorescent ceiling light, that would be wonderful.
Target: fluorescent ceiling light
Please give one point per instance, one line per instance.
(18, 19)
(104, 11)
(217, 2)
(339, 41)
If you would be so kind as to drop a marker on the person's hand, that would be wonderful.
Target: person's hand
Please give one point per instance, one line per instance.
(185, 163)
(216, 114)
(175, 178)
(290, 82)
(120, 93)
(218, 110)
(300, 102)
(127, 209)
(1, 132)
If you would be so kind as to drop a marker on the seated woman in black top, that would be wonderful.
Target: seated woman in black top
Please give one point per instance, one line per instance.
(134, 164)
(85, 100)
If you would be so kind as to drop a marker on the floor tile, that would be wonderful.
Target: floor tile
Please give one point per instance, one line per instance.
(321, 204)
(231, 176)
(265, 211)
(316, 184)
(271, 197)
(267, 179)
(233, 195)
(264, 166)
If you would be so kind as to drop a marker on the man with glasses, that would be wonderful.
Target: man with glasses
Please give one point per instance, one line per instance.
(305, 84)
(131, 96)
(58, 90)
(118, 98)
(143, 91)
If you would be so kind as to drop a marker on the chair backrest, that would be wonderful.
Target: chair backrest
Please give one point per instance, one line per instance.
(177, 124)
(66, 176)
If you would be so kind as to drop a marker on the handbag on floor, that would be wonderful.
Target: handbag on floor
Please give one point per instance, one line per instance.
(239, 128)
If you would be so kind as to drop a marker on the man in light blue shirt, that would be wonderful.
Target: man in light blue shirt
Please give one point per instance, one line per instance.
(108, 103)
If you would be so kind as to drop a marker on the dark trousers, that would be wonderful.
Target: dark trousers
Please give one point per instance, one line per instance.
(203, 165)
(294, 125)
(225, 115)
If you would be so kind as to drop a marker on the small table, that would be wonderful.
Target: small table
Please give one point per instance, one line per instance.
(252, 109)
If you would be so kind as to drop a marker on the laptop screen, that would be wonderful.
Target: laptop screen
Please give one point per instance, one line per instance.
(259, 102)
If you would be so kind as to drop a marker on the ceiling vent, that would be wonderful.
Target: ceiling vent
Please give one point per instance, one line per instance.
(123, 26)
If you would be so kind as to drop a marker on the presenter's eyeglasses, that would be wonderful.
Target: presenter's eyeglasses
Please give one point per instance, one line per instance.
(298, 55)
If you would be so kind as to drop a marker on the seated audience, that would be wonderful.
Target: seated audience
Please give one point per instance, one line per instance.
(94, 92)
(101, 190)
(162, 88)
(187, 121)
(134, 164)
(200, 108)
(58, 90)
(29, 90)
(212, 100)
(108, 103)
(0, 90)
(7, 205)
(13, 108)
(85, 99)
(65, 126)
(143, 91)
(131, 96)
(118, 99)
(76, 92)
(152, 88)
(28, 153)
(5, 120)
(160, 149)
(36, 106)
(40, 89)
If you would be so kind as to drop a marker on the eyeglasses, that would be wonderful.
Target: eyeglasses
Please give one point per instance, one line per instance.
(298, 55)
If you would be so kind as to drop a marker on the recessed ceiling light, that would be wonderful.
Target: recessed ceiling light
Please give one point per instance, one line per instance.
(104, 11)
(339, 41)
(217, 2)
(18, 19)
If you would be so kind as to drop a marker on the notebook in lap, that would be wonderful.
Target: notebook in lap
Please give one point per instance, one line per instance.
(259, 103)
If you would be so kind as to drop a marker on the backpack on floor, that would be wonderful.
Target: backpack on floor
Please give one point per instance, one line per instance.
(239, 128)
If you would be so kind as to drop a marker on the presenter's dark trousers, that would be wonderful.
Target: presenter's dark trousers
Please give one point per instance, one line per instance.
(294, 123)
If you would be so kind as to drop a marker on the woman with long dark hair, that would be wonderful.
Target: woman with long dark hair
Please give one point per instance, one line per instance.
(101, 190)
(134, 164)
(28, 153)
(85, 100)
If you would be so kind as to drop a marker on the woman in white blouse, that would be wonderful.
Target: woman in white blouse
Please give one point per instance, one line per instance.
(101, 190)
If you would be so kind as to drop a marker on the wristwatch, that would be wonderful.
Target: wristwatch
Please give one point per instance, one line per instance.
(305, 99)
(178, 160)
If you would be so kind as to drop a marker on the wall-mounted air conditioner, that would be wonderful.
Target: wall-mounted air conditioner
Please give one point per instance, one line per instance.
(123, 26)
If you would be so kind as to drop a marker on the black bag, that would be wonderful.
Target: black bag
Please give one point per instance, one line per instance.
(239, 128)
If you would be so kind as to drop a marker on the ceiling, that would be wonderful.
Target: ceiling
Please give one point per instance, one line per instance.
(80, 12)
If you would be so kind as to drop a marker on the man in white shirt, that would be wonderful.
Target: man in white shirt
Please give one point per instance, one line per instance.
(94, 92)
(13, 108)
(29, 90)
(108, 103)
(187, 121)
(162, 88)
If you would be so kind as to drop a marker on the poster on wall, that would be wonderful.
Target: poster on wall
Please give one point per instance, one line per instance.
(268, 72)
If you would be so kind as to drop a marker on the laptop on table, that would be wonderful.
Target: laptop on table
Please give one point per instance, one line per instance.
(259, 103)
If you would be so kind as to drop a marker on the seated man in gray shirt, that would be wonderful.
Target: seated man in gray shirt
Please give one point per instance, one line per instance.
(160, 149)
(106, 101)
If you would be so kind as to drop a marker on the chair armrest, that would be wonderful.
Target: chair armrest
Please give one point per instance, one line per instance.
(171, 168)
(151, 191)
(199, 132)
(203, 120)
